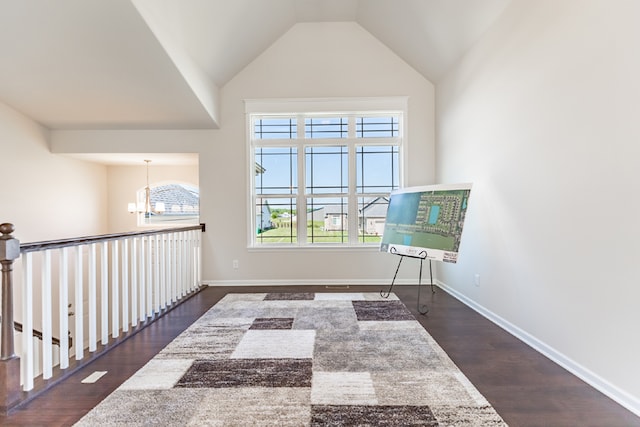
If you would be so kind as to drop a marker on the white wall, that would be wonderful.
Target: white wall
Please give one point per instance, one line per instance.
(46, 196)
(541, 117)
(126, 181)
(310, 61)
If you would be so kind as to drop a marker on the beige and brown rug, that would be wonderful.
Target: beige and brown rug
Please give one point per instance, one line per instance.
(301, 359)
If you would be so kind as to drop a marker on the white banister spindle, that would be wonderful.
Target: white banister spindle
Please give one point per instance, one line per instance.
(187, 270)
(199, 234)
(79, 309)
(143, 280)
(168, 261)
(185, 260)
(192, 263)
(180, 281)
(167, 268)
(163, 275)
(196, 278)
(185, 263)
(63, 307)
(174, 267)
(176, 260)
(150, 278)
(115, 297)
(156, 274)
(93, 312)
(104, 292)
(171, 272)
(47, 351)
(125, 285)
(134, 281)
(26, 361)
(188, 260)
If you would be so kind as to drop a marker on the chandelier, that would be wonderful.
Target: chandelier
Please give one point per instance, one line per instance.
(145, 206)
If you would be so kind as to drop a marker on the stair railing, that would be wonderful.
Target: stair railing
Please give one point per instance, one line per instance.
(17, 326)
(90, 292)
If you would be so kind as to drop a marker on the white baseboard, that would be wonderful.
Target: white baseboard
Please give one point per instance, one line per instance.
(306, 282)
(625, 399)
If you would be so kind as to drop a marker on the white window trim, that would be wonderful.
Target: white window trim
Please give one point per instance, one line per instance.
(335, 107)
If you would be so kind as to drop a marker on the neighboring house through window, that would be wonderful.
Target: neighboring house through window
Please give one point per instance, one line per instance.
(322, 170)
(172, 204)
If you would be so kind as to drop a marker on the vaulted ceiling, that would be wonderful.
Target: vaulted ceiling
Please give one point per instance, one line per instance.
(159, 64)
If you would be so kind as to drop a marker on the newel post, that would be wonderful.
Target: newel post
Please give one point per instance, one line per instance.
(9, 362)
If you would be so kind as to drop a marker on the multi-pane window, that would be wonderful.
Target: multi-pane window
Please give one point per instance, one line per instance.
(323, 178)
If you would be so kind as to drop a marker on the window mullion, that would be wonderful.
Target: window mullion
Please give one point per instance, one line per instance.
(351, 127)
(301, 210)
(352, 198)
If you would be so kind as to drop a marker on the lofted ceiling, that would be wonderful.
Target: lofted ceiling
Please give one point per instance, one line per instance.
(158, 64)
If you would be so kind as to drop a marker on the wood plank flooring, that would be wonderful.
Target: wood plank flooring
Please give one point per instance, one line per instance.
(524, 387)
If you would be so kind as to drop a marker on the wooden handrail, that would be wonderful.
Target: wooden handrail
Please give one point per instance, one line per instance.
(77, 241)
(17, 326)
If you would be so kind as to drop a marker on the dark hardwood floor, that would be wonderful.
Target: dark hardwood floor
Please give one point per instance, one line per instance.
(524, 387)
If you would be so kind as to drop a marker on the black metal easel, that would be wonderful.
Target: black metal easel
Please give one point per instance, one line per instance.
(422, 309)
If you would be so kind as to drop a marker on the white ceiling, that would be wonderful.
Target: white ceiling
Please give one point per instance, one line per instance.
(140, 64)
(90, 64)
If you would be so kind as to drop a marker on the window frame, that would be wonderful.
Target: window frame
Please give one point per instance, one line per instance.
(352, 109)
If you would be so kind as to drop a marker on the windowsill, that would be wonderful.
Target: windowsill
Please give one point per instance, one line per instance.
(316, 247)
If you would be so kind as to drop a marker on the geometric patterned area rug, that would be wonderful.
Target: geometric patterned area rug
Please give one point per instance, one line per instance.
(299, 359)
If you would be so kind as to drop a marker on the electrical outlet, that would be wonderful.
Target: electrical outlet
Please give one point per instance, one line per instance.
(236, 264)
(476, 279)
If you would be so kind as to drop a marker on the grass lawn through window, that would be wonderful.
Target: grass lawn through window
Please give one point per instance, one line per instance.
(286, 232)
